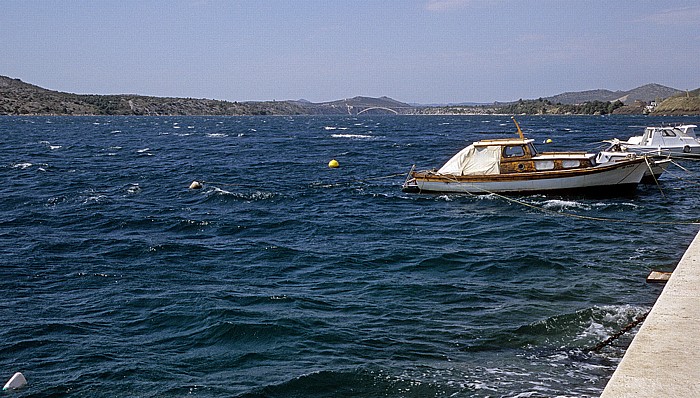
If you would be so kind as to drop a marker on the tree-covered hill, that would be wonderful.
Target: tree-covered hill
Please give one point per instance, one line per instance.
(19, 98)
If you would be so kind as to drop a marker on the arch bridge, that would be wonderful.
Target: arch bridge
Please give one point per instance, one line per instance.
(394, 111)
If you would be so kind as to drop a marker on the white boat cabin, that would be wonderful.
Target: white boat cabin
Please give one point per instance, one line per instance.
(667, 137)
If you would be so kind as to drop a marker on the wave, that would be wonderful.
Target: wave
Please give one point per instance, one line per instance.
(603, 321)
(353, 383)
(584, 328)
(51, 147)
(355, 136)
(254, 196)
(299, 283)
(94, 198)
(240, 334)
(22, 166)
(560, 204)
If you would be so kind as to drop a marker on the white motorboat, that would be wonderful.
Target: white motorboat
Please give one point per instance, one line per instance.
(664, 140)
(513, 166)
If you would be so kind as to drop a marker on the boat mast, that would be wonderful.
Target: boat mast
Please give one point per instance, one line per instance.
(520, 132)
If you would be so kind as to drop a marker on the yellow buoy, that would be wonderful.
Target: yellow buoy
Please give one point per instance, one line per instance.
(333, 164)
(195, 185)
(548, 141)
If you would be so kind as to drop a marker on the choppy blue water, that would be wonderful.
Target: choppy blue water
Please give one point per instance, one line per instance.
(284, 278)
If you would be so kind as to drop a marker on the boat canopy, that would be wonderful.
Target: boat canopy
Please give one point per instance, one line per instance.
(474, 160)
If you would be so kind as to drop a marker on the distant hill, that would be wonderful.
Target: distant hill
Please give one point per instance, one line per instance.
(650, 92)
(580, 97)
(646, 93)
(19, 98)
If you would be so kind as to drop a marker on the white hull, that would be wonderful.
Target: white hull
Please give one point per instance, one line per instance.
(625, 176)
(691, 149)
(655, 166)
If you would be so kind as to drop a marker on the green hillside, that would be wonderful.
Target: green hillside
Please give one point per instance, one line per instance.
(683, 104)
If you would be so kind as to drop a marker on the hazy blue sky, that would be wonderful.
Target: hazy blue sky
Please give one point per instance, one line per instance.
(423, 51)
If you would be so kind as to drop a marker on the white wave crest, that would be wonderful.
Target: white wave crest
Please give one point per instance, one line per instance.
(94, 199)
(558, 204)
(249, 197)
(609, 318)
(48, 144)
(22, 165)
(133, 189)
(351, 136)
(220, 191)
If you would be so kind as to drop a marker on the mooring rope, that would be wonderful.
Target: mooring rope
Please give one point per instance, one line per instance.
(223, 184)
(350, 182)
(485, 191)
(338, 184)
(619, 333)
(656, 181)
(679, 177)
(694, 157)
(564, 214)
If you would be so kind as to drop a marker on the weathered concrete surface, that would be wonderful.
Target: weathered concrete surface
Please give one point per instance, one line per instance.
(664, 357)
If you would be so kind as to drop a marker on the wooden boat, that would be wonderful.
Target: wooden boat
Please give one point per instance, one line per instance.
(513, 166)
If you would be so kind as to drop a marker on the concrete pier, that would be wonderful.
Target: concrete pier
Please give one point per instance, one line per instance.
(663, 360)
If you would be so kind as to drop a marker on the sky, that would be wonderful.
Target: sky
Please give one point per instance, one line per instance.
(416, 51)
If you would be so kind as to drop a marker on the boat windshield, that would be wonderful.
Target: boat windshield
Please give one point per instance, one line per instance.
(669, 133)
(533, 151)
(517, 151)
(514, 151)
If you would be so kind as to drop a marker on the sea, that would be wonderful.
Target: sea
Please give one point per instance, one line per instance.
(282, 277)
